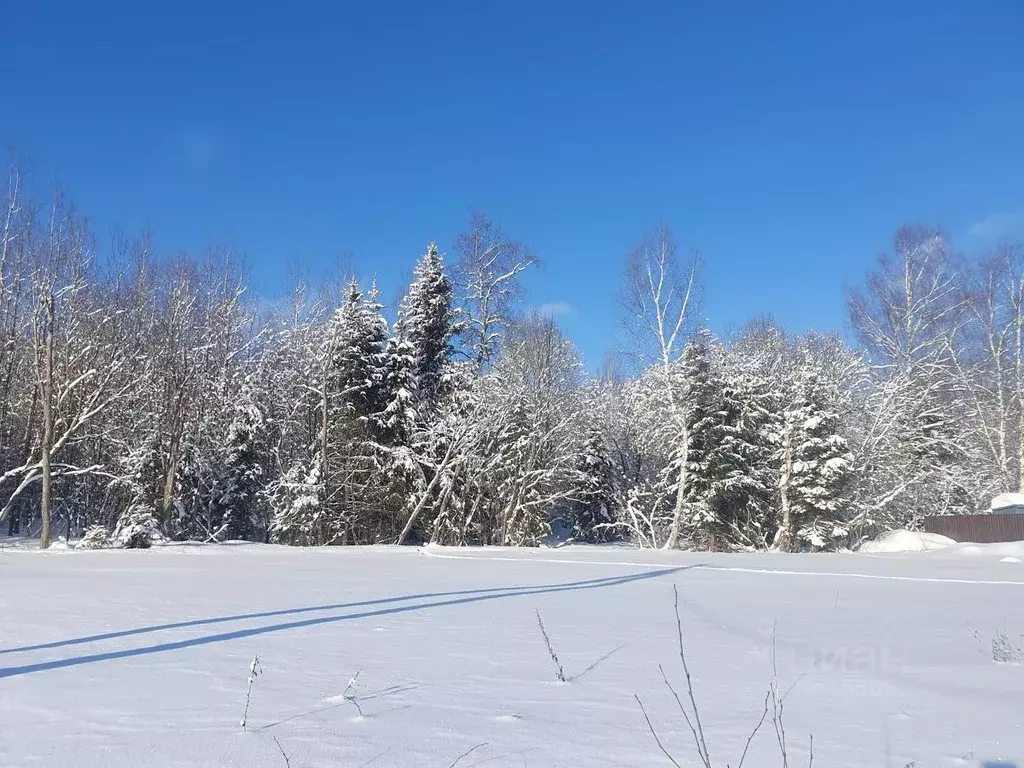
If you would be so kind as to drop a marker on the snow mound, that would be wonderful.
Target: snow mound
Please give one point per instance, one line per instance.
(895, 542)
(905, 541)
(1009, 551)
(1004, 500)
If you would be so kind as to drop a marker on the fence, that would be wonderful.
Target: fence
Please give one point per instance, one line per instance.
(979, 529)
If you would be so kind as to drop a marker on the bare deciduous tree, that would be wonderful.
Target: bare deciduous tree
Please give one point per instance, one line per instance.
(660, 296)
(487, 272)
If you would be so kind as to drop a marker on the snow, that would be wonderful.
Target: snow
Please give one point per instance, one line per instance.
(1004, 550)
(895, 542)
(130, 658)
(1008, 500)
(905, 541)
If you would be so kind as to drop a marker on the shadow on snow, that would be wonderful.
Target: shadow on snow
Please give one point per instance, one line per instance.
(460, 597)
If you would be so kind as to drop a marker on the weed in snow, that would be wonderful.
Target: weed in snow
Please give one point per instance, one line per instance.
(691, 712)
(255, 670)
(287, 760)
(559, 672)
(1005, 650)
(467, 753)
(1001, 648)
(349, 693)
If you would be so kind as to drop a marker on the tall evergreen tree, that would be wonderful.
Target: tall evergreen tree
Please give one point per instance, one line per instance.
(594, 505)
(358, 342)
(137, 525)
(399, 415)
(240, 489)
(427, 322)
(815, 468)
(694, 461)
(345, 466)
(746, 478)
(296, 499)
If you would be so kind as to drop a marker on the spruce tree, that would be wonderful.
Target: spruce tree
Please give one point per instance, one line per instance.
(594, 508)
(239, 491)
(427, 322)
(357, 398)
(701, 399)
(746, 480)
(815, 468)
(358, 339)
(398, 418)
(137, 525)
(296, 500)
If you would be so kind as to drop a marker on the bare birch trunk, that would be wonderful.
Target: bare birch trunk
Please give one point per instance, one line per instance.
(784, 536)
(46, 396)
(680, 507)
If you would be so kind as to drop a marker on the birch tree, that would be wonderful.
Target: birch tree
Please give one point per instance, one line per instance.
(912, 304)
(989, 362)
(487, 275)
(660, 297)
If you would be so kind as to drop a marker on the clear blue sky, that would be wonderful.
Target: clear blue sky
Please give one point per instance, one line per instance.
(787, 140)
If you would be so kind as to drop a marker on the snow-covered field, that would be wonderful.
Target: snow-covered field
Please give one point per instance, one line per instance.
(125, 658)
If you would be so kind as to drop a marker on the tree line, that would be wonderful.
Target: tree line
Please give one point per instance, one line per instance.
(145, 396)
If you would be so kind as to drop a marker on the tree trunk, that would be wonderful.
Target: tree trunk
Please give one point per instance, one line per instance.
(440, 470)
(420, 506)
(1020, 458)
(321, 536)
(44, 465)
(784, 536)
(26, 451)
(677, 516)
(46, 395)
(167, 502)
(1019, 386)
(442, 514)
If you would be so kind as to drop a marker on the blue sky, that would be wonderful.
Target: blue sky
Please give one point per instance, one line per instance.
(785, 142)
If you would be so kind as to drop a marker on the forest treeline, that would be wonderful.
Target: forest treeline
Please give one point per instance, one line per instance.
(145, 395)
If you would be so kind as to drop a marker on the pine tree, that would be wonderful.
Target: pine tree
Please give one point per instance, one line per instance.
(137, 525)
(746, 480)
(358, 339)
(594, 506)
(239, 492)
(427, 322)
(399, 416)
(356, 398)
(694, 462)
(816, 467)
(421, 380)
(296, 502)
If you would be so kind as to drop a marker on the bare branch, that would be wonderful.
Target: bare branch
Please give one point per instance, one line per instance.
(654, 733)
(467, 753)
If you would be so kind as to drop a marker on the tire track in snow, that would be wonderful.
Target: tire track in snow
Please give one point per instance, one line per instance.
(429, 553)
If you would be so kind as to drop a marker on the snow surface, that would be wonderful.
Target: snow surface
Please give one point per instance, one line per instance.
(906, 541)
(1007, 500)
(140, 658)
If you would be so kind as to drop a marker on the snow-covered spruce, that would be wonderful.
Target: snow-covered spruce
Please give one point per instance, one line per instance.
(95, 537)
(136, 528)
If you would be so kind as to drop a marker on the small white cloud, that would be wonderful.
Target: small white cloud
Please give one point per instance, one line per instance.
(556, 309)
(997, 224)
